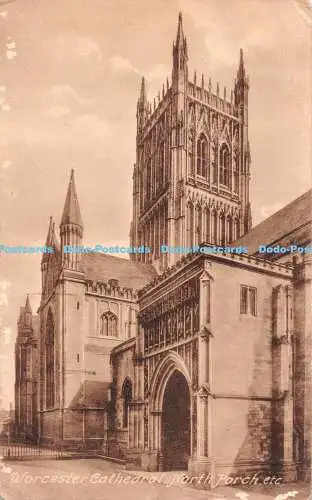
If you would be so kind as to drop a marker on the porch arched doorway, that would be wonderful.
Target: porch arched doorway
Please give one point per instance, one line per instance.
(176, 423)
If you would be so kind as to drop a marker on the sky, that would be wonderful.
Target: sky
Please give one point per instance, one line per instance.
(70, 74)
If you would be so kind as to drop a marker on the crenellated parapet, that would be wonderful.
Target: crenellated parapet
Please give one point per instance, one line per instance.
(110, 288)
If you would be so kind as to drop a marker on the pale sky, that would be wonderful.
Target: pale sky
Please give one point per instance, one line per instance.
(70, 73)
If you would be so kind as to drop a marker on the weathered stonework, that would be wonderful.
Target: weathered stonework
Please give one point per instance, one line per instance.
(201, 361)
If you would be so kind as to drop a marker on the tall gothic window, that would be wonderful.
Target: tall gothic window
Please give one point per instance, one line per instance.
(191, 153)
(202, 156)
(224, 165)
(190, 224)
(237, 229)
(223, 230)
(236, 174)
(141, 191)
(214, 163)
(214, 234)
(154, 175)
(149, 179)
(156, 235)
(207, 236)
(198, 225)
(230, 229)
(109, 325)
(127, 397)
(50, 361)
(162, 164)
(24, 363)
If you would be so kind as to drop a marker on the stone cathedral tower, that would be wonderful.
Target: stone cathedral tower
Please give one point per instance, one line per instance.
(192, 171)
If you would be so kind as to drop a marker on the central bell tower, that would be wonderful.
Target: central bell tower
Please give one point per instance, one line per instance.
(192, 172)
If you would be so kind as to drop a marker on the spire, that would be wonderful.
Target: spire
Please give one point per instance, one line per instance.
(48, 243)
(180, 49)
(71, 228)
(142, 107)
(143, 91)
(50, 231)
(241, 83)
(51, 241)
(180, 35)
(241, 73)
(27, 305)
(27, 313)
(71, 212)
(54, 241)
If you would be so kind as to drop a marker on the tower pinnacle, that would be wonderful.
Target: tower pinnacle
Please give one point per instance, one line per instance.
(27, 305)
(27, 313)
(180, 34)
(241, 73)
(143, 91)
(71, 228)
(71, 212)
(180, 51)
(142, 107)
(50, 231)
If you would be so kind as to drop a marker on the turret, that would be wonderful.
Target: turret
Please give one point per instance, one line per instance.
(241, 90)
(180, 58)
(179, 83)
(47, 257)
(178, 137)
(25, 318)
(27, 314)
(71, 228)
(241, 102)
(142, 107)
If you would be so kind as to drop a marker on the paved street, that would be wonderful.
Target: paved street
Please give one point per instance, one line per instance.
(95, 479)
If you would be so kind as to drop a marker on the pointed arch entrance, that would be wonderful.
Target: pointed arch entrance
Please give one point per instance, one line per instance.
(170, 413)
(176, 419)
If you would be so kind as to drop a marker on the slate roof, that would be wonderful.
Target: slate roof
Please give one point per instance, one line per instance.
(289, 219)
(102, 267)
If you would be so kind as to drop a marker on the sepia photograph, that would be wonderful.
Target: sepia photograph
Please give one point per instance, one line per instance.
(155, 249)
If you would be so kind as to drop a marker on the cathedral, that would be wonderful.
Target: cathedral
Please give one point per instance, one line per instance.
(168, 360)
